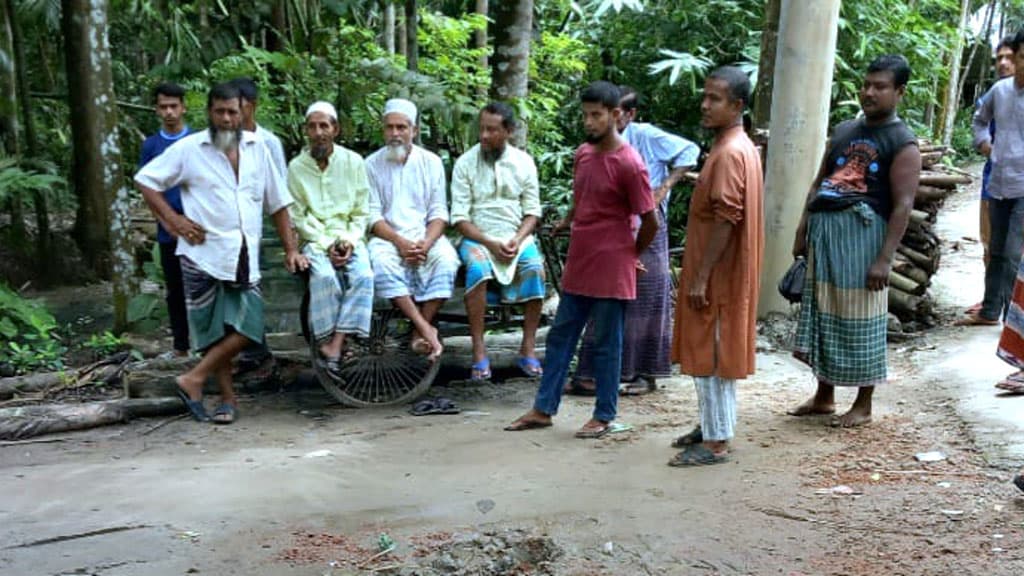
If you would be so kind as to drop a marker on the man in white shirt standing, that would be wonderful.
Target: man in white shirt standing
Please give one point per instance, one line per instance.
(227, 179)
(414, 265)
(256, 353)
(496, 208)
(250, 93)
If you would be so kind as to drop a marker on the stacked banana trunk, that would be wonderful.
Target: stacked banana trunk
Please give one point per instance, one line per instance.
(917, 258)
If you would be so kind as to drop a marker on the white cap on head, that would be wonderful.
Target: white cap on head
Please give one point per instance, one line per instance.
(403, 107)
(321, 106)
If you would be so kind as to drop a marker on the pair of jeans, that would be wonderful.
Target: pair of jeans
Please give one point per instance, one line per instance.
(175, 297)
(574, 312)
(1006, 240)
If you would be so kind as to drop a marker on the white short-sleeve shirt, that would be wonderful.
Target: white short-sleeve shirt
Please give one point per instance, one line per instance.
(228, 208)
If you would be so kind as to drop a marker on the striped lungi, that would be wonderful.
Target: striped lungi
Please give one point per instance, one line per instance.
(430, 280)
(647, 336)
(215, 306)
(842, 328)
(340, 301)
(1011, 342)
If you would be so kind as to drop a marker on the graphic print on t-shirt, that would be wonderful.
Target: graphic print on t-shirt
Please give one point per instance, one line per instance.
(854, 167)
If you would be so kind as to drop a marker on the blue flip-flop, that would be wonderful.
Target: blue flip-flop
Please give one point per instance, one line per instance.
(194, 407)
(225, 414)
(530, 366)
(481, 371)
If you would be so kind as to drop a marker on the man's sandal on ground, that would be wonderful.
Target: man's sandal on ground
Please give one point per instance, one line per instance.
(976, 320)
(481, 371)
(697, 455)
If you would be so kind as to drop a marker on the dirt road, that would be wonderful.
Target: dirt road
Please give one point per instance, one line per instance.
(300, 486)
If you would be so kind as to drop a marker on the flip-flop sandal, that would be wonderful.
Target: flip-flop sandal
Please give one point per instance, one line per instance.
(976, 320)
(695, 436)
(521, 425)
(589, 433)
(697, 455)
(194, 407)
(575, 388)
(225, 414)
(973, 310)
(530, 366)
(331, 365)
(481, 371)
(641, 387)
(1011, 387)
(429, 406)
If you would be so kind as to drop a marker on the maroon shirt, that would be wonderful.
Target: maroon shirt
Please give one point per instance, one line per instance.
(609, 189)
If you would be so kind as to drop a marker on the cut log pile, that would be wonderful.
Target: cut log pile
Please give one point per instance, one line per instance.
(917, 257)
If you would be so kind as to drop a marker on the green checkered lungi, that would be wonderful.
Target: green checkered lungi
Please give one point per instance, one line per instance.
(216, 307)
(842, 329)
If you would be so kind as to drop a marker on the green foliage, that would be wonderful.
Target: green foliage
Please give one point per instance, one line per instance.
(922, 33)
(558, 65)
(103, 345)
(146, 311)
(28, 333)
(18, 182)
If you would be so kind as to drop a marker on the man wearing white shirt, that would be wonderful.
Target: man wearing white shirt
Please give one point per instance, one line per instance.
(227, 179)
(496, 207)
(257, 352)
(250, 94)
(414, 265)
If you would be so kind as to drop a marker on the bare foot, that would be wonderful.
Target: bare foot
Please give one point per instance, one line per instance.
(191, 385)
(851, 419)
(812, 407)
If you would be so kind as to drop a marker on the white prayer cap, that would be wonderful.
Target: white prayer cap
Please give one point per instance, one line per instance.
(401, 106)
(321, 106)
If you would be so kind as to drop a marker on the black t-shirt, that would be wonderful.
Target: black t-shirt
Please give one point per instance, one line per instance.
(858, 163)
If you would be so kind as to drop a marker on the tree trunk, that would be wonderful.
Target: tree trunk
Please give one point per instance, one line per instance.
(31, 141)
(510, 64)
(481, 40)
(412, 46)
(103, 219)
(279, 26)
(951, 97)
(8, 86)
(389, 27)
(29, 421)
(799, 122)
(766, 64)
(9, 141)
(400, 36)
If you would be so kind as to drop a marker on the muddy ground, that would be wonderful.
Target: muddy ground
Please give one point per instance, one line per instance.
(302, 486)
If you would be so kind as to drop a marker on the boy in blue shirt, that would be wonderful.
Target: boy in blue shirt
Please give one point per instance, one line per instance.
(169, 102)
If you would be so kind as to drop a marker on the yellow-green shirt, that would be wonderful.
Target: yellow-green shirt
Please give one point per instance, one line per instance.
(330, 204)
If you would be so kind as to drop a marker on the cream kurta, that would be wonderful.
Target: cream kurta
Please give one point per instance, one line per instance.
(730, 189)
(496, 197)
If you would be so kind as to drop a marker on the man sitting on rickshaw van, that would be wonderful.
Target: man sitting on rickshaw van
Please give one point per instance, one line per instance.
(331, 193)
(414, 265)
(496, 207)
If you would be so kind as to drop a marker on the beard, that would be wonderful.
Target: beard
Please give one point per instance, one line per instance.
(320, 152)
(595, 138)
(491, 155)
(398, 151)
(225, 140)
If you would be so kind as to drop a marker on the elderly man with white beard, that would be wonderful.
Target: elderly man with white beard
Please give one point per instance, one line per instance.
(332, 195)
(414, 265)
(227, 180)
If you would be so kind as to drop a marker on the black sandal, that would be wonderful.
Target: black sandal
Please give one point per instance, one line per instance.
(695, 436)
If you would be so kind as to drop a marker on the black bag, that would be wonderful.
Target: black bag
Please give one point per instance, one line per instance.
(792, 284)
